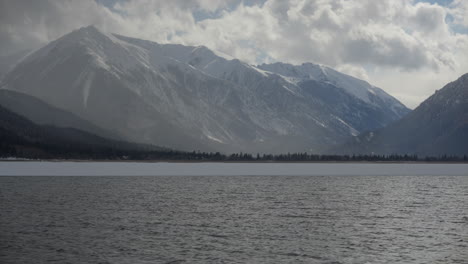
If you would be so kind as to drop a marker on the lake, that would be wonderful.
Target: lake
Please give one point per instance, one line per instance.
(233, 213)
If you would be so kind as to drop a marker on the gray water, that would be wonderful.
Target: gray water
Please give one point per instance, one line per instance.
(39, 168)
(234, 219)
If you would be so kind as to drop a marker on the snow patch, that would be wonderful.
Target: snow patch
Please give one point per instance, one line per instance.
(262, 72)
(87, 87)
(84, 82)
(289, 90)
(352, 130)
(215, 139)
(319, 123)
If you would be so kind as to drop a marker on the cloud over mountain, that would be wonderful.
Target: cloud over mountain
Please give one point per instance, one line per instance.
(369, 39)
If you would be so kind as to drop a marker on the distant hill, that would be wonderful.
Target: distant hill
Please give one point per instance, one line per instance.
(20, 137)
(438, 126)
(42, 113)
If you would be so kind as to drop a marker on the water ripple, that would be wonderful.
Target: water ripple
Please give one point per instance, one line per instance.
(348, 220)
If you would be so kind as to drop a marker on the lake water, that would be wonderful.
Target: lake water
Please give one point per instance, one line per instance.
(286, 217)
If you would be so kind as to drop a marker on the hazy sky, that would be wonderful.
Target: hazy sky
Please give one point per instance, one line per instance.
(407, 47)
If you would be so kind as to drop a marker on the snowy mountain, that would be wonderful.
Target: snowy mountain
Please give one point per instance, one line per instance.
(436, 127)
(194, 98)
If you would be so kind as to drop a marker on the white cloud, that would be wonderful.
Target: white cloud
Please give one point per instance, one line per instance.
(459, 9)
(395, 44)
(28, 24)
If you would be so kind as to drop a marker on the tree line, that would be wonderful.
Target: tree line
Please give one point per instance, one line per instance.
(39, 150)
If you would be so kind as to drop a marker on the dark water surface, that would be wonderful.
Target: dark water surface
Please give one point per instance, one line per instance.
(234, 219)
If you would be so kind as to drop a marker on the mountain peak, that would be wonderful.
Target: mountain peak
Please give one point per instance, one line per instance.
(89, 32)
(90, 28)
(201, 49)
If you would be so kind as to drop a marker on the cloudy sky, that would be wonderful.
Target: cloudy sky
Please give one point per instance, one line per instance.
(410, 48)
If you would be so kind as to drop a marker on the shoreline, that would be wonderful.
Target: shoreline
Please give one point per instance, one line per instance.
(232, 162)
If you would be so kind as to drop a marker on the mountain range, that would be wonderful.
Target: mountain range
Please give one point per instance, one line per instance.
(193, 98)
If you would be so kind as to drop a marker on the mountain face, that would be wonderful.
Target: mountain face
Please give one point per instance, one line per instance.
(193, 98)
(438, 126)
(360, 104)
(9, 61)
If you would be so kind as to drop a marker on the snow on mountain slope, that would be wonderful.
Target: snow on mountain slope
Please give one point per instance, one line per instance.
(193, 98)
(353, 86)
